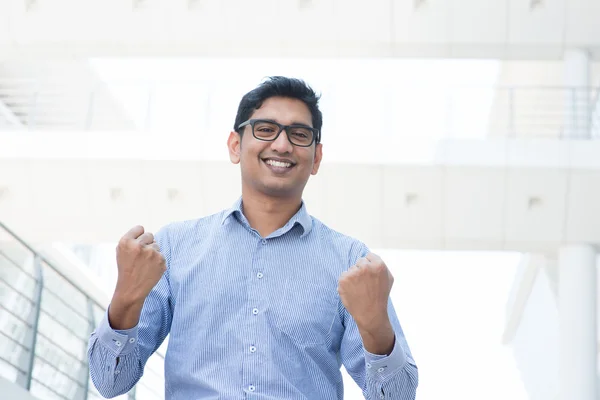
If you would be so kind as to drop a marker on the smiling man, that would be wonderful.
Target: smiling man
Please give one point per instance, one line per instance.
(262, 300)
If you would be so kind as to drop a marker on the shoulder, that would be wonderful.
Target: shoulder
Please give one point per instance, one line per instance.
(347, 246)
(179, 232)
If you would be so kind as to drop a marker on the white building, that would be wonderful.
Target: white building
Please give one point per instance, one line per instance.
(499, 153)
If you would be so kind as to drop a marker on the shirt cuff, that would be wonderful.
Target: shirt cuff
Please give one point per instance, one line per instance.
(119, 343)
(380, 368)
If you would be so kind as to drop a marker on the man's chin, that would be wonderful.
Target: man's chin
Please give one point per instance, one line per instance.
(281, 190)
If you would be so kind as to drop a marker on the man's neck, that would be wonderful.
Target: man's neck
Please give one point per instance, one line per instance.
(267, 214)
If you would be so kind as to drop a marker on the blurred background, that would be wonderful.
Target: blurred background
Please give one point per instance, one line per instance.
(471, 127)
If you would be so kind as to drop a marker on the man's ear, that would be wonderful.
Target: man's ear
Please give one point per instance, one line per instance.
(234, 144)
(318, 158)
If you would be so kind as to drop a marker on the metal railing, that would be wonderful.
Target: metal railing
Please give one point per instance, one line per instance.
(45, 323)
(548, 112)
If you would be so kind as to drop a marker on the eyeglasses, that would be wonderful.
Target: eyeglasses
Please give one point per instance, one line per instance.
(267, 130)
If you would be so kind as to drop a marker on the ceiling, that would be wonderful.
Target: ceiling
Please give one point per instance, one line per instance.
(503, 29)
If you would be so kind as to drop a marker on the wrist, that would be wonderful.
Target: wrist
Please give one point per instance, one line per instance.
(375, 323)
(378, 336)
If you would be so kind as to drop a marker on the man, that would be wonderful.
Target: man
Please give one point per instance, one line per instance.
(262, 300)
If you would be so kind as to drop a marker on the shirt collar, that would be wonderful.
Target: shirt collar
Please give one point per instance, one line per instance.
(302, 217)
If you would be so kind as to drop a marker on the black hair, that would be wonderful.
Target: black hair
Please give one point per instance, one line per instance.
(284, 87)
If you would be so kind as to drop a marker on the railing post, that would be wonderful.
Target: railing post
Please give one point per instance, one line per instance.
(91, 326)
(148, 121)
(38, 307)
(90, 112)
(511, 112)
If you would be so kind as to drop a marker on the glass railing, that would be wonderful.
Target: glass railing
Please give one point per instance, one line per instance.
(45, 323)
(414, 110)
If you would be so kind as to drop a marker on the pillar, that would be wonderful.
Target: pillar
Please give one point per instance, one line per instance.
(577, 321)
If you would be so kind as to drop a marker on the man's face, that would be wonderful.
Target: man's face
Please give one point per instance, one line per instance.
(277, 168)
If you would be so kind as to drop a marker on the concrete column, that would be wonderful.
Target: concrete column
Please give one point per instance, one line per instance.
(577, 94)
(577, 320)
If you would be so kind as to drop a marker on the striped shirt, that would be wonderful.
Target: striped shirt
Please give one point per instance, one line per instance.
(251, 318)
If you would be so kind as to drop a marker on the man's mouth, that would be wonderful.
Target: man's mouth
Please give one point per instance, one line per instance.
(278, 163)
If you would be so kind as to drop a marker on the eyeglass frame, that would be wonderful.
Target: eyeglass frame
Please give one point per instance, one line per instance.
(315, 139)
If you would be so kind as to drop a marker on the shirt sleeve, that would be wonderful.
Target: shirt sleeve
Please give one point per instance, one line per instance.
(117, 357)
(392, 376)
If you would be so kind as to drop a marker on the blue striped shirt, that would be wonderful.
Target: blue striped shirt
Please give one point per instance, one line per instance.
(251, 318)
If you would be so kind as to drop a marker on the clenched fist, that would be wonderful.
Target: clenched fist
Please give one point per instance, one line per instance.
(140, 267)
(364, 290)
(139, 262)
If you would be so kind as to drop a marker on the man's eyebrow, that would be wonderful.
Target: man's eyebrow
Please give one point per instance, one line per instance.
(293, 123)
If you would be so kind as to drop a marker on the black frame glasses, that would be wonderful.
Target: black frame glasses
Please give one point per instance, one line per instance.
(316, 135)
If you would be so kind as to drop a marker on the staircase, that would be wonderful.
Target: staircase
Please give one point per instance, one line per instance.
(57, 96)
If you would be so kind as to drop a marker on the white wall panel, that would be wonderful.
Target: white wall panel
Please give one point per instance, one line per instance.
(220, 184)
(474, 206)
(116, 195)
(16, 196)
(412, 207)
(583, 212)
(173, 191)
(61, 203)
(353, 201)
(518, 207)
(535, 205)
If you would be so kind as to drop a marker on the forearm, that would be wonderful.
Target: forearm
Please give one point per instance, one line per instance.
(378, 337)
(124, 313)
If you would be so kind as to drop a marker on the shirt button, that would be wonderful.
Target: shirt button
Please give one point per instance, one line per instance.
(118, 344)
(368, 365)
(251, 388)
(259, 275)
(381, 396)
(252, 349)
(255, 311)
(132, 340)
(117, 371)
(264, 241)
(380, 370)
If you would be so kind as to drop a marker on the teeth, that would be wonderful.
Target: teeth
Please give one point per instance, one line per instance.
(278, 163)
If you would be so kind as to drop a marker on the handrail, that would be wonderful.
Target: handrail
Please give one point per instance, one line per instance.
(45, 260)
(26, 366)
(519, 110)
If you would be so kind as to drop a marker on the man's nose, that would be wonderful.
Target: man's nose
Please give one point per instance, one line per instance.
(282, 144)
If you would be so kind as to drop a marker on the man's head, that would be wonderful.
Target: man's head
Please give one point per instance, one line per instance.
(276, 137)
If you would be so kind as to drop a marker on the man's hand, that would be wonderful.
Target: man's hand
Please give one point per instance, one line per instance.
(140, 267)
(364, 290)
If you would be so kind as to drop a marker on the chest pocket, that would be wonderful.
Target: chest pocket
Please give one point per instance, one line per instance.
(306, 311)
